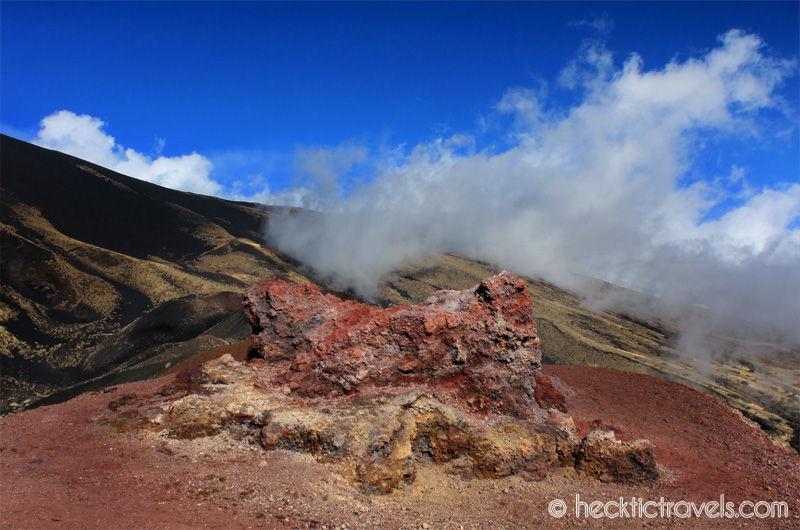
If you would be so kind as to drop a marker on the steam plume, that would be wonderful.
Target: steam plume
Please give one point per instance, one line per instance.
(608, 189)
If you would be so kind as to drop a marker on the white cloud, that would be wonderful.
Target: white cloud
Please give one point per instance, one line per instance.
(601, 25)
(759, 227)
(607, 188)
(297, 196)
(321, 168)
(83, 136)
(599, 190)
(593, 65)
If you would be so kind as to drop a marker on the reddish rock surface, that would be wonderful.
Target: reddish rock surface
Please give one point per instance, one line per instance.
(406, 371)
(551, 393)
(477, 348)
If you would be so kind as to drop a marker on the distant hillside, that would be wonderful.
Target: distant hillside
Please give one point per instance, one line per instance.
(102, 272)
(108, 279)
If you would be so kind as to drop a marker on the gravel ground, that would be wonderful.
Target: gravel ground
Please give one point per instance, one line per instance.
(61, 470)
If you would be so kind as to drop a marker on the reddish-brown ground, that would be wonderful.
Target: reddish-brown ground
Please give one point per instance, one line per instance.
(61, 470)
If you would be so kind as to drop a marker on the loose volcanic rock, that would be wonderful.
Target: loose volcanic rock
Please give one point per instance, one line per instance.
(601, 455)
(476, 349)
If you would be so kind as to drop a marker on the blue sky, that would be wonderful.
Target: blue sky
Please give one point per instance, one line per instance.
(245, 84)
(653, 145)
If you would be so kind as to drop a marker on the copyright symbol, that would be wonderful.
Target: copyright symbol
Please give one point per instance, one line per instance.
(557, 508)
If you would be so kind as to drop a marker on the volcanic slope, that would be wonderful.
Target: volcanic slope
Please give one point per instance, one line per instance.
(108, 279)
(104, 274)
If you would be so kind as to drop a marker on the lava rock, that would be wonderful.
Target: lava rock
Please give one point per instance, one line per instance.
(477, 349)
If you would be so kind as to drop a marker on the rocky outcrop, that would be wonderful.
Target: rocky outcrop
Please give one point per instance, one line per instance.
(376, 442)
(375, 393)
(476, 349)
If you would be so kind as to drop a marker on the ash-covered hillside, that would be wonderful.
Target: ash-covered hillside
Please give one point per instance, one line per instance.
(103, 273)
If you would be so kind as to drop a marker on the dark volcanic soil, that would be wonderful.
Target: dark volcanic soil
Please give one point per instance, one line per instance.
(62, 470)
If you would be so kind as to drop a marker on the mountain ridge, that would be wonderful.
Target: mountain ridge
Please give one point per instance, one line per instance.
(87, 252)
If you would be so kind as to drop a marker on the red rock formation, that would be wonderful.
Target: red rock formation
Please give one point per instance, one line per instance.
(392, 382)
(476, 348)
(551, 393)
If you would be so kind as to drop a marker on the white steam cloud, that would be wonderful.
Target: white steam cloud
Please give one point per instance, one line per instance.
(608, 189)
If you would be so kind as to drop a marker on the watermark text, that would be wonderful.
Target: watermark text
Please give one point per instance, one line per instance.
(637, 507)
